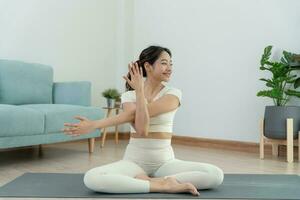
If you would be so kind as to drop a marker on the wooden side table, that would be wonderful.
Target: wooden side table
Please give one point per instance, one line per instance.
(289, 141)
(109, 111)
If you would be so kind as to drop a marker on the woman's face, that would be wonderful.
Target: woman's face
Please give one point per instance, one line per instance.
(162, 67)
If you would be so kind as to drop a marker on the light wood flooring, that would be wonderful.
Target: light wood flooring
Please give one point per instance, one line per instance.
(73, 157)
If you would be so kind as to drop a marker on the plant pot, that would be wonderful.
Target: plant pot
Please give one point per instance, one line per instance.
(275, 121)
(110, 102)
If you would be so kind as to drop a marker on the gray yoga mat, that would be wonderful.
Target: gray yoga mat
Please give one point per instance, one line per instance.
(235, 186)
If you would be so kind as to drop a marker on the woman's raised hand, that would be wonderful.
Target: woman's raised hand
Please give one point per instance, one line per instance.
(136, 74)
(84, 126)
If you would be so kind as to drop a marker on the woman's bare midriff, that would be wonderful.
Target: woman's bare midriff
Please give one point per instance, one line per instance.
(153, 135)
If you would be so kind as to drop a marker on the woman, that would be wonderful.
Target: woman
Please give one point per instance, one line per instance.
(148, 164)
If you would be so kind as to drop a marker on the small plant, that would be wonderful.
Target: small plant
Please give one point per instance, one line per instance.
(282, 79)
(111, 93)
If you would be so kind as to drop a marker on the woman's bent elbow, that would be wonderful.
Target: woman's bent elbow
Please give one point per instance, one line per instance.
(143, 132)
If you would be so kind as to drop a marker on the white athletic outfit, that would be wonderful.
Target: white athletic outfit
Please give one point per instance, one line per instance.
(154, 157)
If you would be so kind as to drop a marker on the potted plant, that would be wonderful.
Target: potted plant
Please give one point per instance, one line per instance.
(111, 95)
(282, 86)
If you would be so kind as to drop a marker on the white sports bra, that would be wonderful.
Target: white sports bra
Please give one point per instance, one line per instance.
(162, 122)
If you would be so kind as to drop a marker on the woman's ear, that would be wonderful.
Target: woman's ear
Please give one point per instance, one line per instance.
(148, 67)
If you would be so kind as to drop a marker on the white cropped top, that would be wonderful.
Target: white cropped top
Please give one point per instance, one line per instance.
(162, 122)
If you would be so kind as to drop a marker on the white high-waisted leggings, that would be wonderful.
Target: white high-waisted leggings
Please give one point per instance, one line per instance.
(154, 157)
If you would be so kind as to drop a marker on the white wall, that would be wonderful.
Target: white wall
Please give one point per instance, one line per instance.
(217, 46)
(76, 37)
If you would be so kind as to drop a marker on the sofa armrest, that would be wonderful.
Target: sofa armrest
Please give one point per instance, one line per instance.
(74, 93)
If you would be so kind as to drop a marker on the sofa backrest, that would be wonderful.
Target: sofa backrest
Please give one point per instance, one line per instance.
(25, 83)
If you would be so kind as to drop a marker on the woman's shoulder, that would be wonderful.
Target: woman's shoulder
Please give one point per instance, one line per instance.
(129, 92)
(173, 90)
(128, 96)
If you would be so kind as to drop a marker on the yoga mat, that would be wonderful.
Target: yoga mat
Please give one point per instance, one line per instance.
(235, 186)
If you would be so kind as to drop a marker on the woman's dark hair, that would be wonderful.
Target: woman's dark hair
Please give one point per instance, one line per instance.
(150, 55)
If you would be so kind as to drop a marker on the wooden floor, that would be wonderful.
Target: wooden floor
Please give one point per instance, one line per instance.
(73, 157)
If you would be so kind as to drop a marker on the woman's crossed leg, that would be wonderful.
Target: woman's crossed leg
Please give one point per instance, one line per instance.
(125, 176)
(201, 175)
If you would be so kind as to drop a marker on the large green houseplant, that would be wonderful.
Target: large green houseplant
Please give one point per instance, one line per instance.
(283, 78)
(282, 86)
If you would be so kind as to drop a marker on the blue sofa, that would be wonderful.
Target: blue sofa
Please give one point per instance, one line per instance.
(33, 108)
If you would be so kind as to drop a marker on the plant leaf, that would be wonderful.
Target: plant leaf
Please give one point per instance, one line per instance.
(269, 82)
(293, 93)
(297, 83)
(274, 94)
(266, 55)
(287, 57)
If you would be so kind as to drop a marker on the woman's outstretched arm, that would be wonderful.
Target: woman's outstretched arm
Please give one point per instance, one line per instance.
(164, 104)
(85, 125)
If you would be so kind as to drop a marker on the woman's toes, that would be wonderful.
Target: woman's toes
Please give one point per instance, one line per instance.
(192, 189)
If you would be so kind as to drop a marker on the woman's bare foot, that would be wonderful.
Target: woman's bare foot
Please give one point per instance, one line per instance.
(168, 185)
(171, 185)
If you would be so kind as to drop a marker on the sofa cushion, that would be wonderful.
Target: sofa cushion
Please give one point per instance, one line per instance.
(25, 83)
(18, 121)
(57, 114)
